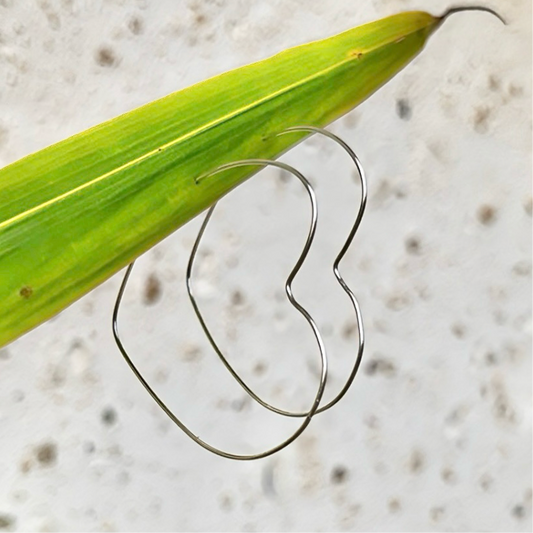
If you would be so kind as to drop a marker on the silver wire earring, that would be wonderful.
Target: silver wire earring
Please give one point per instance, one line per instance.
(315, 407)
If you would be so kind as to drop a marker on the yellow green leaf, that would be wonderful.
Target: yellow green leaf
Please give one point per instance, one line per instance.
(75, 213)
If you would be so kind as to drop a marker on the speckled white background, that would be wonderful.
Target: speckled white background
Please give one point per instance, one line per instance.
(436, 432)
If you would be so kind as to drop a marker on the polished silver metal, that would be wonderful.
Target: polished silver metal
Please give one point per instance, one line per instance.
(315, 407)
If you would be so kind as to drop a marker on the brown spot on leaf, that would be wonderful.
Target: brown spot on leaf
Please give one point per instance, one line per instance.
(26, 292)
(355, 53)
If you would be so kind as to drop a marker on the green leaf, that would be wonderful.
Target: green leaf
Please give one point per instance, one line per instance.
(75, 213)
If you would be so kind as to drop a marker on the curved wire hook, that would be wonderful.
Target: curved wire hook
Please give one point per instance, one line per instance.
(461, 9)
(294, 302)
(336, 271)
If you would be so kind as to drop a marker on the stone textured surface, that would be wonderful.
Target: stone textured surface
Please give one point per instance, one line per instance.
(436, 433)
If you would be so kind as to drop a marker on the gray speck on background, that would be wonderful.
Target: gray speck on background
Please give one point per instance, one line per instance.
(487, 214)
(153, 290)
(403, 108)
(528, 205)
(339, 475)
(136, 25)
(109, 416)
(46, 454)
(106, 57)
(7, 522)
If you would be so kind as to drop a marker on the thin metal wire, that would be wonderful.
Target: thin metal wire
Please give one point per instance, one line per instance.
(315, 408)
(336, 271)
(292, 299)
(461, 9)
